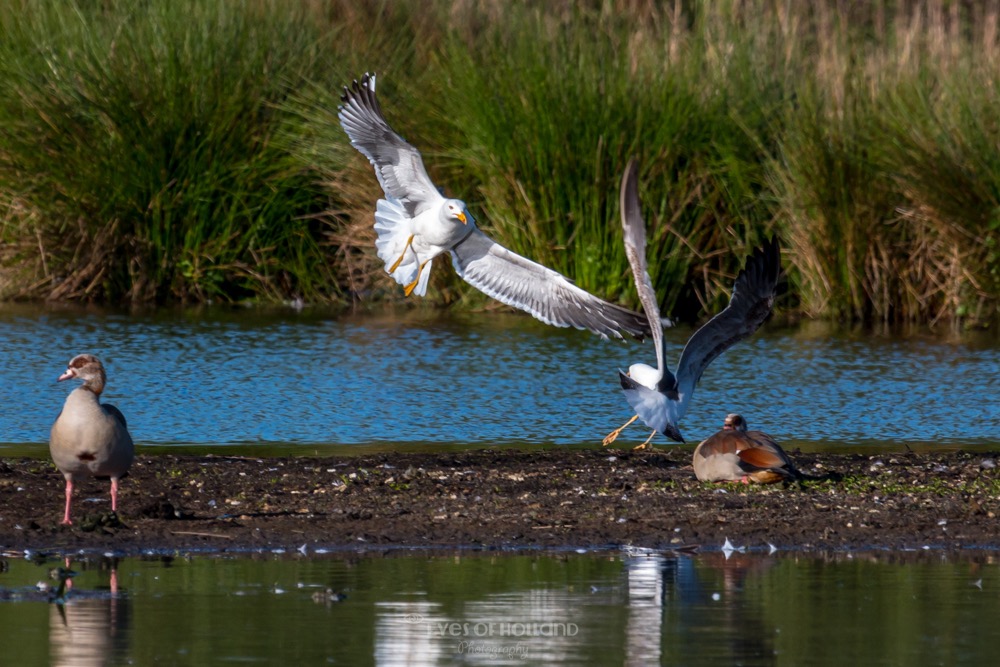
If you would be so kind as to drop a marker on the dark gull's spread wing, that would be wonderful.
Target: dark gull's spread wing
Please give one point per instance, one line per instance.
(749, 306)
(540, 291)
(398, 165)
(634, 228)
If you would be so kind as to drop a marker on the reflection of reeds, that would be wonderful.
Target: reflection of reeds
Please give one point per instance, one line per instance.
(178, 151)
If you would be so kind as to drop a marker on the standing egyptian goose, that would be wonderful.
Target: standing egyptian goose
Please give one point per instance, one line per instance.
(88, 437)
(735, 454)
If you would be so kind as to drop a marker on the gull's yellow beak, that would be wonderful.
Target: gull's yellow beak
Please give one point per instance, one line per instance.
(461, 216)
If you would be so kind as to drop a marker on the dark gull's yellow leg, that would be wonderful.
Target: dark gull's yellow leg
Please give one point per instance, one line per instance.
(395, 265)
(611, 437)
(646, 445)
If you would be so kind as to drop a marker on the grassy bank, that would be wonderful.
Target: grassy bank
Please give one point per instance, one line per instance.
(190, 149)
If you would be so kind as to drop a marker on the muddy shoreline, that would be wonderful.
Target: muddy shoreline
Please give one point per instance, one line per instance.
(505, 499)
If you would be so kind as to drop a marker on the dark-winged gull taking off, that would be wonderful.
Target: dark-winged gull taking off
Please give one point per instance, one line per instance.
(415, 223)
(660, 398)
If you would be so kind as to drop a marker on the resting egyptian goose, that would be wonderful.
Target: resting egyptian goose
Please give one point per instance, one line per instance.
(88, 437)
(735, 454)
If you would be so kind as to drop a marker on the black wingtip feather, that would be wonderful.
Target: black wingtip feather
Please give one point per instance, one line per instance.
(627, 382)
(361, 91)
(763, 266)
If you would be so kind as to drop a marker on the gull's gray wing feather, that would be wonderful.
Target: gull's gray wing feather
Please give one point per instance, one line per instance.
(398, 165)
(540, 291)
(634, 228)
(749, 306)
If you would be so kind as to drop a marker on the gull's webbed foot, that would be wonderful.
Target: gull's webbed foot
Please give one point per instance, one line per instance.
(611, 437)
(648, 444)
(408, 289)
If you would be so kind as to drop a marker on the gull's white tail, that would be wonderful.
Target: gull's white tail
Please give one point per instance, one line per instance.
(394, 228)
(651, 406)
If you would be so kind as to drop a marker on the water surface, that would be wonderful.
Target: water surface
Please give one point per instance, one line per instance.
(555, 608)
(316, 381)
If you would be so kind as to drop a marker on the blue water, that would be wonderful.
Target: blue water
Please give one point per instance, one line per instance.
(321, 381)
(318, 379)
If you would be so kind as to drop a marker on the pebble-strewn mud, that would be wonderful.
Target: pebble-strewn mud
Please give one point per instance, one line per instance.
(505, 499)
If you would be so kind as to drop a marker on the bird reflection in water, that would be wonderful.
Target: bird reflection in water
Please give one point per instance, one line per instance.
(689, 597)
(89, 627)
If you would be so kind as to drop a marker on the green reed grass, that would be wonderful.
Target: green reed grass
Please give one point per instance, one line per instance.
(943, 155)
(887, 176)
(138, 136)
(191, 149)
(531, 121)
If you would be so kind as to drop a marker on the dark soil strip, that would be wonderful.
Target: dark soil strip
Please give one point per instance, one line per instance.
(505, 499)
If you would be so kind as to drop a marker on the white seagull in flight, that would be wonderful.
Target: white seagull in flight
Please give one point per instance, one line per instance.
(415, 223)
(660, 398)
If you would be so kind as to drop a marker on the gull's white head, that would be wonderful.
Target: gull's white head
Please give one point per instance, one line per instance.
(454, 209)
(645, 375)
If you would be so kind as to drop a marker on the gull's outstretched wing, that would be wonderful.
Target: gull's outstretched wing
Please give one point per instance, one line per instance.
(487, 266)
(634, 228)
(749, 306)
(540, 291)
(398, 165)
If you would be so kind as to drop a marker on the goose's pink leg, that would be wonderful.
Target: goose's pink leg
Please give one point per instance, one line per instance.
(69, 499)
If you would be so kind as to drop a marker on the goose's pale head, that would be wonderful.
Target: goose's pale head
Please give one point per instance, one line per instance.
(734, 422)
(88, 368)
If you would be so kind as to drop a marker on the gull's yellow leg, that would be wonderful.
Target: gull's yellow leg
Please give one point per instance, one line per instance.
(611, 437)
(408, 290)
(648, 444)
(395, 265)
